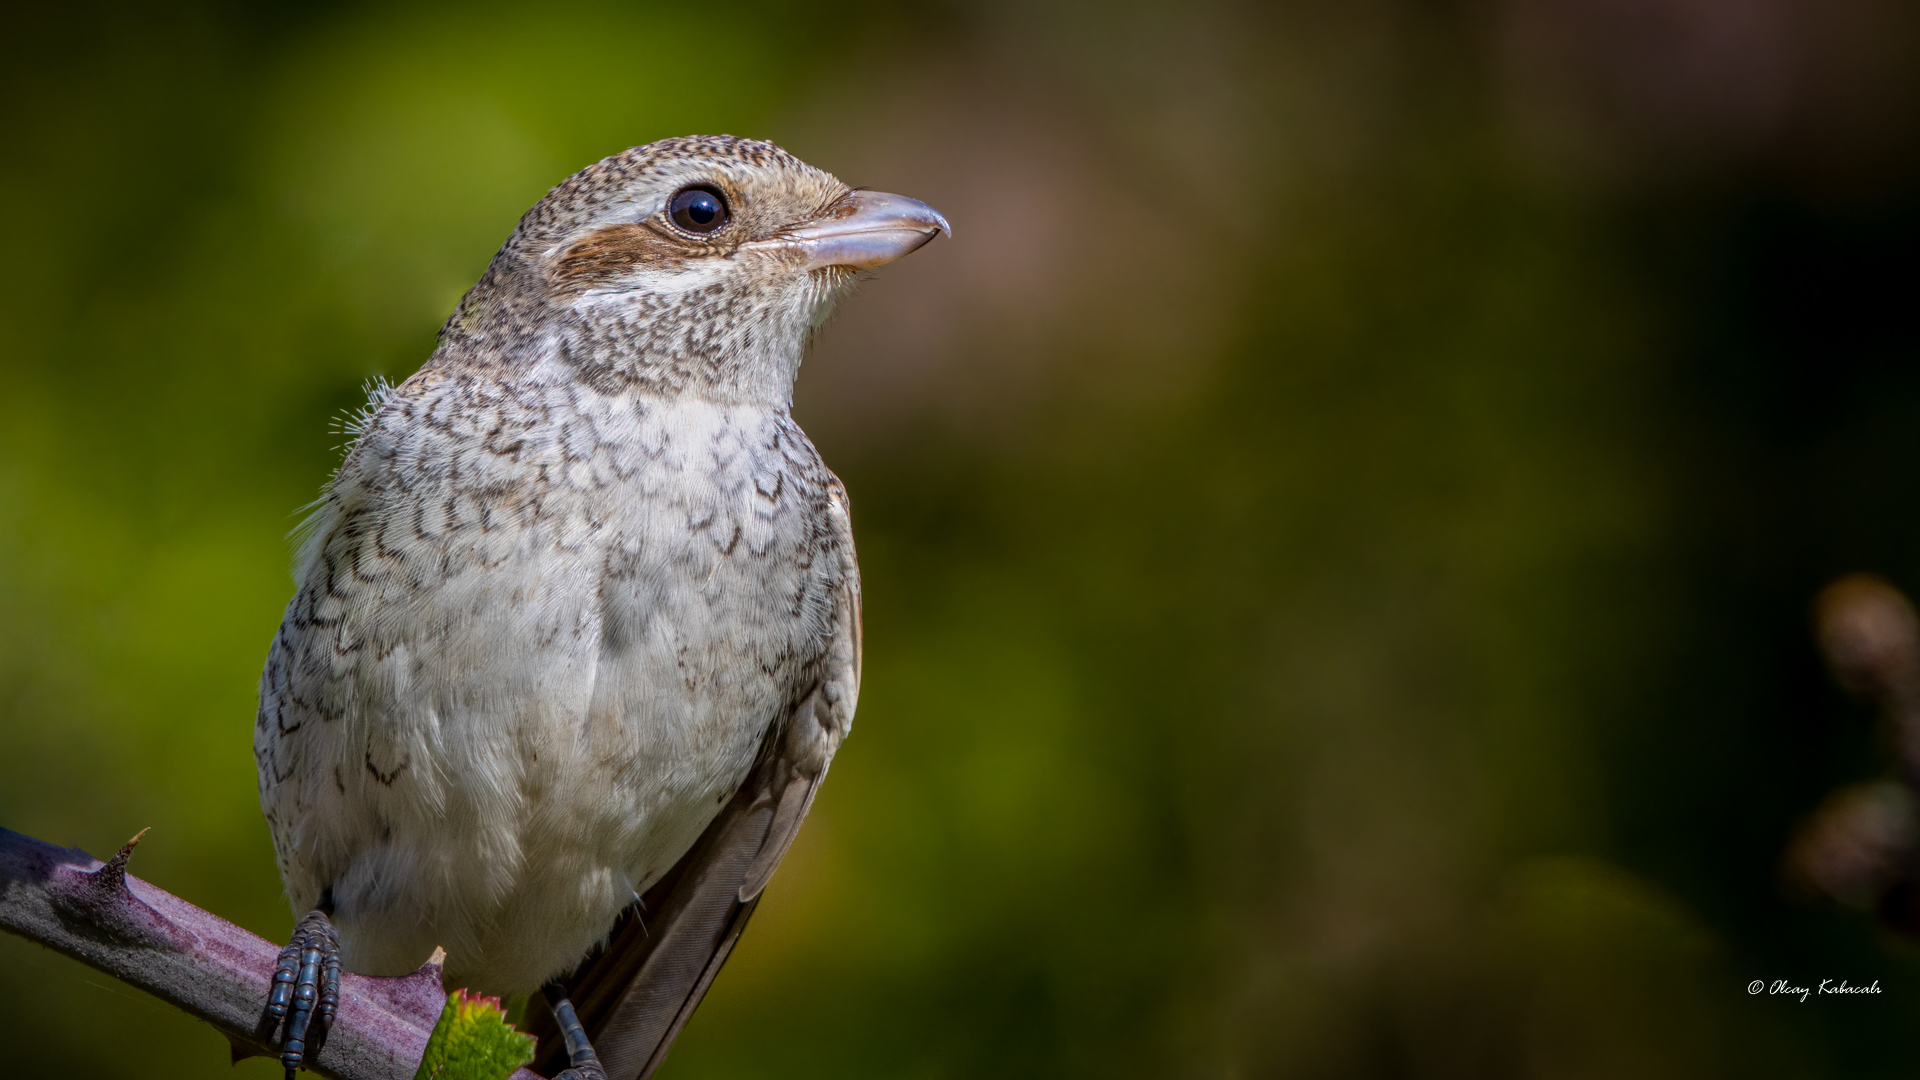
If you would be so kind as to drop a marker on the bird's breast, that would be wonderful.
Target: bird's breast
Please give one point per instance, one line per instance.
(539, 635)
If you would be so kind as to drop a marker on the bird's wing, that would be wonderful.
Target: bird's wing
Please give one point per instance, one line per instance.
(634, 993)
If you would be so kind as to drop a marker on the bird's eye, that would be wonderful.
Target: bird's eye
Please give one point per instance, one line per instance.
(698, 210)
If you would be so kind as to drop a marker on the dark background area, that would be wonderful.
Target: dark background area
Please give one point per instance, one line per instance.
(1339, 520)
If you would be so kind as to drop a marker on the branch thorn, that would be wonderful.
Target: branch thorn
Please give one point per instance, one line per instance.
(112, 877)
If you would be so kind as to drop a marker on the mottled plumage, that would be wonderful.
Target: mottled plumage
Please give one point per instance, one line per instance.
(575, 576)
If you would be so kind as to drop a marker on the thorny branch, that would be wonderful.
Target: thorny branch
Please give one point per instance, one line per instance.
(98, 914)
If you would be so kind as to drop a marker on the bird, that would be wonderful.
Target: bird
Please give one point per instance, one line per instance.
(575, 632)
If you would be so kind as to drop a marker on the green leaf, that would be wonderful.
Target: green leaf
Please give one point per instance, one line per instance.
(473, 1041)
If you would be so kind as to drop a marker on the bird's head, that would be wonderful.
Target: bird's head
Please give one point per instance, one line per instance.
(690, 265)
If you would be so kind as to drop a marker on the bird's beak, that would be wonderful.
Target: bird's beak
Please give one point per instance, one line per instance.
(863, 229)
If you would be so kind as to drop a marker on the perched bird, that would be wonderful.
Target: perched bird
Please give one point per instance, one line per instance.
(576, 630)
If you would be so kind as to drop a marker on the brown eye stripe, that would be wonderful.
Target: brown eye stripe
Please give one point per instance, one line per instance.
(606, 253)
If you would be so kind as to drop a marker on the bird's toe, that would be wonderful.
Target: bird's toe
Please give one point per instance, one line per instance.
(306, 988)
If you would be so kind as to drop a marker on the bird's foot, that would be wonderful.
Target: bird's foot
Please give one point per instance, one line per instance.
(306, 986)
(582, 1062)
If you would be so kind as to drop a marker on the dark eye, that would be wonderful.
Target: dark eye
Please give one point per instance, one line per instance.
(698, 210)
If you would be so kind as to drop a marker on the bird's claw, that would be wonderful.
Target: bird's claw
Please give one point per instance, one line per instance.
(306, 988)
(589, 1071)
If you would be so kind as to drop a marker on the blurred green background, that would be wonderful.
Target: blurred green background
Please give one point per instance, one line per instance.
(1338, 521)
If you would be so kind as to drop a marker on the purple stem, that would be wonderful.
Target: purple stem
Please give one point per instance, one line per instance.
(98, 914)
